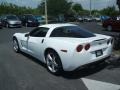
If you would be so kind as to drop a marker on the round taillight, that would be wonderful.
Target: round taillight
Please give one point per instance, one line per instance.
(79, 48)
(87, 46)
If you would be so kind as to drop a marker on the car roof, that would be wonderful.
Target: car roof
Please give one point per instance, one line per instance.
(57, 25)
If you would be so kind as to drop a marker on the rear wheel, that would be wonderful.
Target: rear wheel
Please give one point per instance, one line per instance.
(53, 62)
(16, 45)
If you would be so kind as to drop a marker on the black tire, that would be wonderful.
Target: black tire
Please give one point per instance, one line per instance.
(26, 24)
(7, 25)
(55, 68)
(16, 45)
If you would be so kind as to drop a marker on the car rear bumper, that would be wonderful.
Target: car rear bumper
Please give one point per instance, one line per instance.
(15, 25)
(77, 60)
(93, 63)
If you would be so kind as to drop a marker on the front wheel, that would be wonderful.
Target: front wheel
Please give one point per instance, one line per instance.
(53, 62)
(7, 25)
(16, 46)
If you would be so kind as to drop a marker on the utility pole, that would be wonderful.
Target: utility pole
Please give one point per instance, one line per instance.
(46, 14)
(90, 8)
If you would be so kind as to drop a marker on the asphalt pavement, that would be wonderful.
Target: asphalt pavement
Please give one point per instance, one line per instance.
(23, 72)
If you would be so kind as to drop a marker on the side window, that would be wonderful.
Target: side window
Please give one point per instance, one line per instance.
(55, 32)
(60, 32)
(39, 32)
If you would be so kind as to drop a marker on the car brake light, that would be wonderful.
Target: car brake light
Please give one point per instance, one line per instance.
(87, 46)
(79, 48)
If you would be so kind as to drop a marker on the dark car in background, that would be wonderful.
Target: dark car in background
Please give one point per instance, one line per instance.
(0, 23)
(70, 18)
(29, 20)
(10, 21)
(41, 19)
(112, 24)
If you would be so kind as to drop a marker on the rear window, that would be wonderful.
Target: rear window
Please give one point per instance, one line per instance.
(72, 32)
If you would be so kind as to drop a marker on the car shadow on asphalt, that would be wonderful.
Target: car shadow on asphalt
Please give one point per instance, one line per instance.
(33, 59)
(83, 72)
(113, 64)
(86, 71)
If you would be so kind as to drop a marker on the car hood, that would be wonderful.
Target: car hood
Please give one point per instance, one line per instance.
(14, 21)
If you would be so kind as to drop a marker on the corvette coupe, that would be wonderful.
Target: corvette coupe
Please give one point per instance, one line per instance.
(63, 47)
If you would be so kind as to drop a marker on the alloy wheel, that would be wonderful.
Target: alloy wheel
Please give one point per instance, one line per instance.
(52, 65)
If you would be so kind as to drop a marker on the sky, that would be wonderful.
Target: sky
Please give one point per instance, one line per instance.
(96, 4)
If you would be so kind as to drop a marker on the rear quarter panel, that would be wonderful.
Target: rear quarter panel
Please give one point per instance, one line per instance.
(60, 44)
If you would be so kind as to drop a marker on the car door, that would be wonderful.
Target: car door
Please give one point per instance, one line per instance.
(24, 42)
(36, 43)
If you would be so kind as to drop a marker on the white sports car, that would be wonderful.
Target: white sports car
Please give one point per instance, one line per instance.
(63, 46)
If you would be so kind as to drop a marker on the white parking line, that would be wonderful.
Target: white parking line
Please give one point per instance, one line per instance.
(98, 85)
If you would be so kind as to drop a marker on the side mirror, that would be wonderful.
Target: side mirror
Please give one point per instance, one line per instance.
(27, 35)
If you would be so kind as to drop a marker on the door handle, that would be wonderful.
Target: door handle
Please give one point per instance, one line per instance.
(42, 41)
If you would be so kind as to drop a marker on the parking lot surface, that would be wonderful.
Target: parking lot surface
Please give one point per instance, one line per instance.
(23, 72)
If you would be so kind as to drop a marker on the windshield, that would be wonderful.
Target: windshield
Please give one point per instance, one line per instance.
(38, 17)
(71, 31)
(12, 18)
(30, 17)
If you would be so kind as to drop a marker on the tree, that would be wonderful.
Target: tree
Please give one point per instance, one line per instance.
(118, 3)
(8, 8)
(110, 11)
(55, 7)
(41, 8)
(77, 8)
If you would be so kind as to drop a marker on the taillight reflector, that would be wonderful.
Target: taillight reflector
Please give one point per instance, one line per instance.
(87, 46)
(79, 48)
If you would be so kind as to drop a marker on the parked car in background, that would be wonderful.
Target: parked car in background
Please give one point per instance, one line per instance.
(80, 18)
(103, 18)
(88, 19)
(29, 20)
(63, 46)
(112, 24)
(70, 18)
(52, 20)
(10, 21)
(40, 19)
(96, 19)
(0, 23)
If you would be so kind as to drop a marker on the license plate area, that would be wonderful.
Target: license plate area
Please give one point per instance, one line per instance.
(99, 53)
